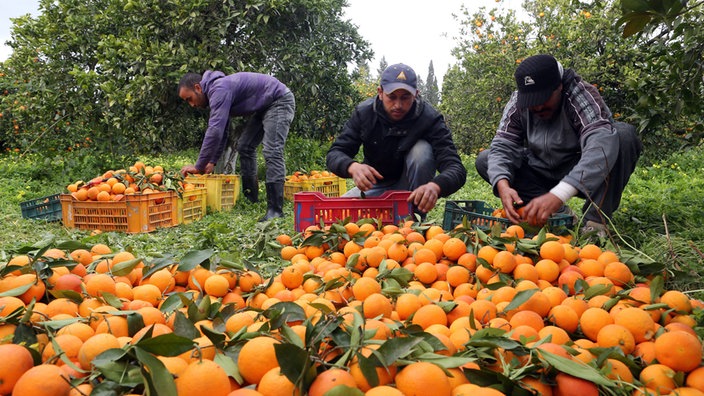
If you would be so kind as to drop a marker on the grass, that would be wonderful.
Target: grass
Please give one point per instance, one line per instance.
(659, 221)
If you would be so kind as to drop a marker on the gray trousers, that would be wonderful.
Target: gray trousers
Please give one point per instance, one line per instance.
(606, 198)
(419, 169)
(269, 127)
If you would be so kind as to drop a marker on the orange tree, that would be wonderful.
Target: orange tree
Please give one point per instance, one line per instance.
(104, 73)
(588, 38)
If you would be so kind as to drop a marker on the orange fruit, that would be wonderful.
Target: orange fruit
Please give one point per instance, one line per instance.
(569, 385)
(407, 304)
(454, 248)
(658, 377)
(593, 320)
(677, 300)
(94, 346)
(637, 321)
(590, 251)
(428, 315)
(376, 304)
(43, 380)
(618, 336)
(256, 357)
(487, 253)
(423, 378)
(552, 250)
(16, 360)
(364, 287)
(329, 379)
(203, 377)
(216, 285)
(504, 261)
(274, 383)
(679, 350)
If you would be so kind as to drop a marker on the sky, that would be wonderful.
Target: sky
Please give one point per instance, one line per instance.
(413, 32)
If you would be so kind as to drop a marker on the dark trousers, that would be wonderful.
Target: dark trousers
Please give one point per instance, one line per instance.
(605, 199)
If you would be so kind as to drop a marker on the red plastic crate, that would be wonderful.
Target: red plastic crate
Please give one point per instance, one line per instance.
(314, 208)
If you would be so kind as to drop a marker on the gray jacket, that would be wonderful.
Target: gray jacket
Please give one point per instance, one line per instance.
(579, 146)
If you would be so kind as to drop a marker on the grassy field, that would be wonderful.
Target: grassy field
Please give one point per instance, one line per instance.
(659, 222)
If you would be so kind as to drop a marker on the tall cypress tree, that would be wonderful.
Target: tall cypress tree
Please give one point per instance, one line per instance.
(432, 93)
(383, 64)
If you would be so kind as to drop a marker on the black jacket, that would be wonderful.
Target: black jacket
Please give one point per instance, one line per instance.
(385, 143)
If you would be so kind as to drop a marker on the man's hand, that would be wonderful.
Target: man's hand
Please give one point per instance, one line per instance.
(364, 176)
(509, 199)
(540, 209)
(425, 196)
(189, 170)
(209, 168)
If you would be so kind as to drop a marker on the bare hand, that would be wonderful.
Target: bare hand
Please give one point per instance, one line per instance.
(510, 201)
(425, 196)
(539, 210)
(189, 169)
(364, 176)
(209, 168)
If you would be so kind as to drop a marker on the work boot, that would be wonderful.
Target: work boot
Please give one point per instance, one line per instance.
(594, 228)
(250, 188)
(274, 201)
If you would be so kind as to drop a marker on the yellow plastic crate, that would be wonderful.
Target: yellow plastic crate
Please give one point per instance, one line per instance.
(192, 205)
(135, 213)
(332, 186)
(222, 190)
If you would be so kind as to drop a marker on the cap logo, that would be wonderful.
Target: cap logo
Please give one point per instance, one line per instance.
(528, 80)
(401, 76)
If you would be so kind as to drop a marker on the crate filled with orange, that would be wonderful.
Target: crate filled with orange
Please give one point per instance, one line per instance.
(321, 181)
(140, 198)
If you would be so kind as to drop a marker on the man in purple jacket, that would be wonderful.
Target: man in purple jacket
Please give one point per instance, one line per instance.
(556, 140)
(270, 105)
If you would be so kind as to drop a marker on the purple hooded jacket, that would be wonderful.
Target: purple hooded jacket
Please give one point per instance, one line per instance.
(238, 94)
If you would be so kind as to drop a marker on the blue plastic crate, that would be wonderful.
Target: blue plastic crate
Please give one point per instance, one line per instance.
(45, 208)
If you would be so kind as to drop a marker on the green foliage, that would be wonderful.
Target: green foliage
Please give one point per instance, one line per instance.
(304, 154)
(671, 32)
(431, 93)
(103, 73)
(584, 38)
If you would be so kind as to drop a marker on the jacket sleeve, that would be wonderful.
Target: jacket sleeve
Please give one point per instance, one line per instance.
(343, 150)
(219, 100)
(452, 173)
(505, 154)
(598, 139)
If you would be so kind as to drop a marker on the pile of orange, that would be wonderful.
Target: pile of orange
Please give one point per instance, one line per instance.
(542, 316)
(113, 185)
(299, 176)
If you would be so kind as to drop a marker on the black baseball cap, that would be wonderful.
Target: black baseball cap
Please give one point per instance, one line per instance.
(399, 76)
(537, 77)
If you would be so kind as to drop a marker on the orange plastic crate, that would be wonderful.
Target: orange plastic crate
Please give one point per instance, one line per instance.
(133, 214)
(332, 186)
(192, 205)
(222, 190)
(314, 208)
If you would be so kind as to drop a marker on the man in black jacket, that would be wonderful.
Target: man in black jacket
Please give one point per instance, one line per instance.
(406, 142)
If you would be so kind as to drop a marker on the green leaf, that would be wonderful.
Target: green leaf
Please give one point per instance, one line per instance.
(158, 378)
(294, 361)
(576, 369)
(520, 297)
(166, 344)
(184, 327)
(195, 258)
(125, 267)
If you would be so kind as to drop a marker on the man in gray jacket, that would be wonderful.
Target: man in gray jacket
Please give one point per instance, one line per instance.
(270, 105)
(556, 140)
